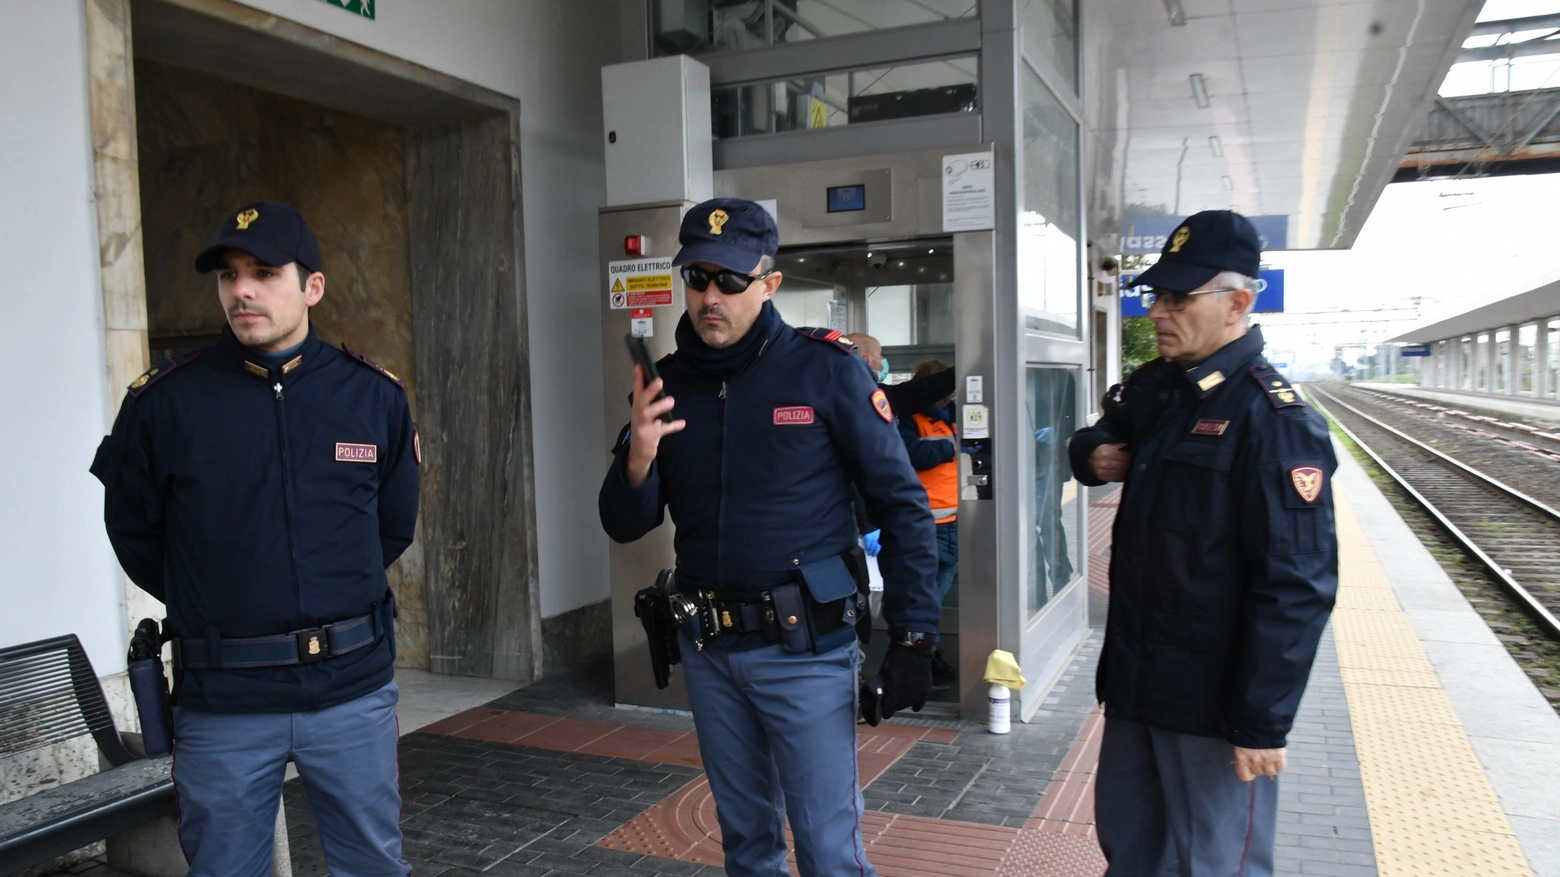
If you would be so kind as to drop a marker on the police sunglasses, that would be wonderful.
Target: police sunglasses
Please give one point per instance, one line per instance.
(1176, 301)
(728, 282)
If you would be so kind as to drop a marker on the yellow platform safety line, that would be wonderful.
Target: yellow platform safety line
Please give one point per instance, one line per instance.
(1432, 810)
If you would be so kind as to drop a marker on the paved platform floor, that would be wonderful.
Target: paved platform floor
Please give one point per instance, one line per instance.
(1419, 748)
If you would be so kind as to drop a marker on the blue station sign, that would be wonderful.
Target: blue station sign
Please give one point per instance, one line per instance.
(1415, 350)
(1147, 233)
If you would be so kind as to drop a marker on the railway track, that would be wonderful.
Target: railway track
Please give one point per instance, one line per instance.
(1516, 537)
(1510, 433)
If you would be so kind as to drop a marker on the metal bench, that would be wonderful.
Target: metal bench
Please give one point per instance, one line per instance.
(49, 694)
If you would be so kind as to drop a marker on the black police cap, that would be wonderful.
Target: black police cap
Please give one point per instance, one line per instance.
(273, 233)
(1203, 245)
(728, 232)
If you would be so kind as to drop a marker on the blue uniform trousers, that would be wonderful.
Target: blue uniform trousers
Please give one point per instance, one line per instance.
(1170, 805)
(228, 770)
(947, 558)
(777, 731)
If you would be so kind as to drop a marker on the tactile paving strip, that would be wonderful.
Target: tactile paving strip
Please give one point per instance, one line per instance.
(1432, 810)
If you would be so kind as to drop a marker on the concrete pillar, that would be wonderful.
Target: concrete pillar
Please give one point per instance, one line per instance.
(1512, 360)
(1491, 362)
(1541, 388)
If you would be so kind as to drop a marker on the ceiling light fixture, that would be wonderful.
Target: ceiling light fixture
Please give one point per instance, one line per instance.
(1217, 145)
(1175, 12)
(1200, 90)
(1229, 184)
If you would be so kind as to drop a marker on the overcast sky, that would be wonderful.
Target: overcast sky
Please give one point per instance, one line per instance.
(1449, 244)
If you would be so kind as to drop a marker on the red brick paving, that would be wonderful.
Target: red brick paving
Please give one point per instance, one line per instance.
(632, 742)
(1101, 516)
(507, 727)
(461, 721)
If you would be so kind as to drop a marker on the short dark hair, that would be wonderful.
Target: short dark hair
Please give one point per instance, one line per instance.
(304, 273)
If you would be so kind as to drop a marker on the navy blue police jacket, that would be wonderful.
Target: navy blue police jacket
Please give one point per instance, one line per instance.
(1224, 564)
(256, 501)
(779, 428)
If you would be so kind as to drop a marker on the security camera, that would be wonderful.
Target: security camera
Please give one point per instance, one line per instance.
(1108, 265)
(877, 259)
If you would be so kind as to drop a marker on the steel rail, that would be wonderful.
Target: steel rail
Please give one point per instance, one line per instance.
(1498, 485)
(1527, 434)
(1540, 614)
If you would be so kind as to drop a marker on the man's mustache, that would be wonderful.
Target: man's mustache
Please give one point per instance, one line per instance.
(713, 310)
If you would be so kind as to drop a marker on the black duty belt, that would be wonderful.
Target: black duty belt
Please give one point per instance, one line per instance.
(305, 646)
(719, 617)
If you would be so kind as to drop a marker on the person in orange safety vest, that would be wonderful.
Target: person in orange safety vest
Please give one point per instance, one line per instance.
(933, 447)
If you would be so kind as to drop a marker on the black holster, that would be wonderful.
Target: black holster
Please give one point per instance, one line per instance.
(149, 685)
(856, 562)
(653, 608)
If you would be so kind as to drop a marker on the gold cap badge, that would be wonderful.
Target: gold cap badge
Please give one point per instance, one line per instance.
(1179, 238)
(718, 218)
(247, 217)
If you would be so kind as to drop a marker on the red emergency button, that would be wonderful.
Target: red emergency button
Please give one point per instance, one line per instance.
(634, 245)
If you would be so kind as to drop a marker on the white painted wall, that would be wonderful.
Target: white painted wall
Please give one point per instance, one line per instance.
(549, 54)
(57, 572)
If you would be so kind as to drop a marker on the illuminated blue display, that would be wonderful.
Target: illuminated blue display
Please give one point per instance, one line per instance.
(845, 198)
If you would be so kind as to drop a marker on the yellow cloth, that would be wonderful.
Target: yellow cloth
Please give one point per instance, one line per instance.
(1003, 670)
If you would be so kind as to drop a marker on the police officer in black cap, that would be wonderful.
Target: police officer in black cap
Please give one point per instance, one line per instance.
(259, 488)
(773, 427)
(1223, 569)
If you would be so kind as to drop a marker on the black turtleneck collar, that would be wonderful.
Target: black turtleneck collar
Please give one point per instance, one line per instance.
(730, 361)
(1216, 369)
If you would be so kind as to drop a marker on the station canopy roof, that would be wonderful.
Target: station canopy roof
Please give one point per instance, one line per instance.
(1299, 110)
(1515, 309)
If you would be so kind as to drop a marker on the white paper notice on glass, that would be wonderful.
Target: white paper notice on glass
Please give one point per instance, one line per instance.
(975, 424)
(968, 192)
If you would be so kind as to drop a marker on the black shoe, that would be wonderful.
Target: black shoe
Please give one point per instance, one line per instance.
(943, 673)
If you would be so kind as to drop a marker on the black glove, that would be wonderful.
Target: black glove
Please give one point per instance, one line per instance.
(907, 677)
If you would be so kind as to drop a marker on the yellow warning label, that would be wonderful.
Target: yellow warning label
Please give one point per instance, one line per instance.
(617, 285)
(642, 282)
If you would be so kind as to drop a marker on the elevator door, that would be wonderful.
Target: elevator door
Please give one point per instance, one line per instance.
(900, 293)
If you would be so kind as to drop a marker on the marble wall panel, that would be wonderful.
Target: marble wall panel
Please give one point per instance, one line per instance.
(473, 363)
(207, 145)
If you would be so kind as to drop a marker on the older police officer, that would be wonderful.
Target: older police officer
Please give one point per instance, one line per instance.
(259, 488)
(774, 425)
(1223, 570)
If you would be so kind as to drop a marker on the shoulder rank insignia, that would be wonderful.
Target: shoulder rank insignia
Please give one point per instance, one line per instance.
(373, 365)
(1275, 387)
(880, 404)
(832, 337)
(158, 372)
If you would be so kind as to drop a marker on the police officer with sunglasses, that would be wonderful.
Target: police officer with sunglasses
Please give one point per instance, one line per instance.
(770, 427)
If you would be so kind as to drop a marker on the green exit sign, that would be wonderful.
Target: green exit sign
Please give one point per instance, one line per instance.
(364, 8)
